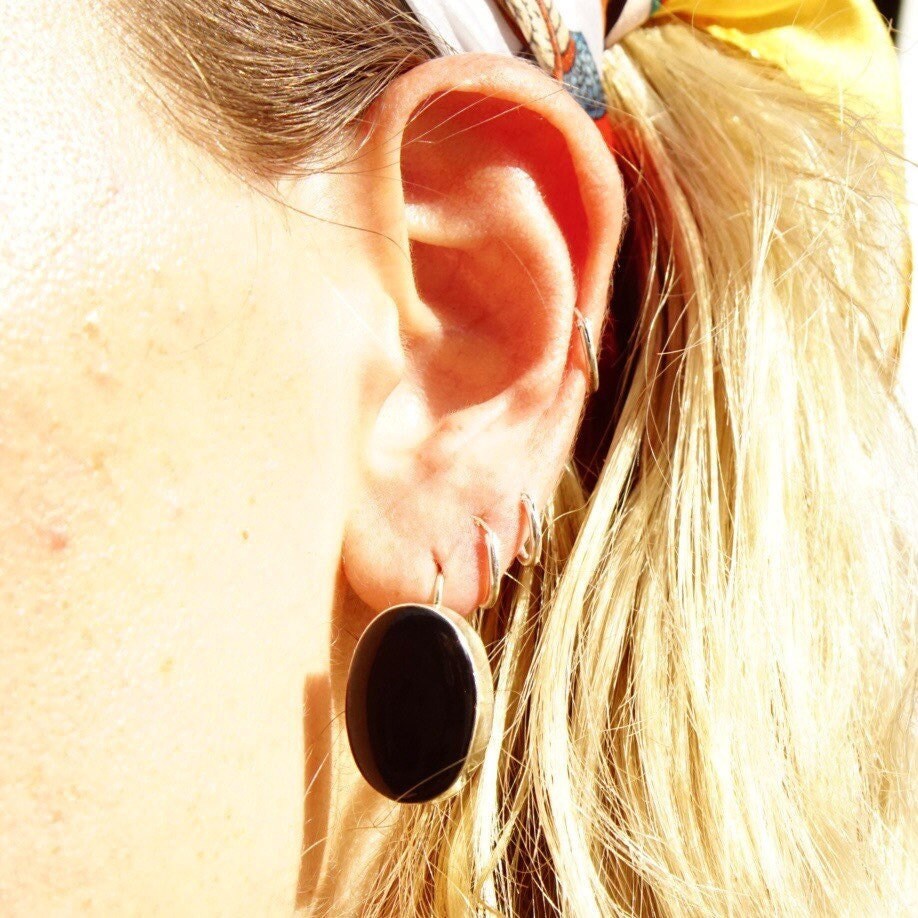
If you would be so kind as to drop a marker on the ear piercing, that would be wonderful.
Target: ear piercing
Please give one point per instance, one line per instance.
(493, 564)
(586, 339)
(420, 695)
(532, 545)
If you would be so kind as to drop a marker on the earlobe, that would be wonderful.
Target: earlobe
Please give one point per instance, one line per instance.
(513, 206)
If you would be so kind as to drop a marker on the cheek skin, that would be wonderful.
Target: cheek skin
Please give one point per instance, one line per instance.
(165, 548)
(176, 462)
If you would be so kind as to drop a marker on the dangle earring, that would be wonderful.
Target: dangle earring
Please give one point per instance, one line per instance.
(420, 696)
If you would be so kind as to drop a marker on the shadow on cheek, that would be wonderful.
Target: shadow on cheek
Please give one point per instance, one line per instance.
(317, 718)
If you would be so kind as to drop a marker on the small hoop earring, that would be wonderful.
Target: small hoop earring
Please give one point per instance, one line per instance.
(532, 546)
(586, 338)
(420, 701)
(493, 564)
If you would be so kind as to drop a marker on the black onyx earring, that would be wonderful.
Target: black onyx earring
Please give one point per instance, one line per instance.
(420, 695)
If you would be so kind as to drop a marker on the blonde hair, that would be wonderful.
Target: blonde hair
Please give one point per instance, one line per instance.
(705, 690)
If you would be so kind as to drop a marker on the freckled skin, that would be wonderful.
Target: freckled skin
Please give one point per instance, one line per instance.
(233, 426)
(177, 443)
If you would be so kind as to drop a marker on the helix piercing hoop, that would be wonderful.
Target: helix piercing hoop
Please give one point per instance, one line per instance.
(419, 701)
(532, 546)
(586, 338)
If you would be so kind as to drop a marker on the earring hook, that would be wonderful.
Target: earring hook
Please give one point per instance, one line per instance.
(436, 597)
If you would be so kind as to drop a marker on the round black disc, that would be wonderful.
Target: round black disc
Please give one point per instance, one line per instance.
(411, 703)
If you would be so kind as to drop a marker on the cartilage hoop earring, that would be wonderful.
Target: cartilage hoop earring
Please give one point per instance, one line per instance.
(586, 338)
(419, 701)
(532, 546)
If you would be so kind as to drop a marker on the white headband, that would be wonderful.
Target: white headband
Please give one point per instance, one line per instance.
(564, 36)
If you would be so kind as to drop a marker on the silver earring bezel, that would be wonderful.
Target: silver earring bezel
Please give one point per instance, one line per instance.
(484, 701)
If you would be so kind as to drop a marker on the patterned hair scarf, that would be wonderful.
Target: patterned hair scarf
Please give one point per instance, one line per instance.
(838, 48)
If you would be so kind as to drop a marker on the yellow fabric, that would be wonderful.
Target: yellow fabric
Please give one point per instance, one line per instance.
(838, 49)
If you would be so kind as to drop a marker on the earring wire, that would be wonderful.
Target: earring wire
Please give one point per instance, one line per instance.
(493, 564)
(586, 338)
(436, 597)
(532, 546)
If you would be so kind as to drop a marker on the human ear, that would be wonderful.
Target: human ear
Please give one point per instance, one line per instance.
(512, 206)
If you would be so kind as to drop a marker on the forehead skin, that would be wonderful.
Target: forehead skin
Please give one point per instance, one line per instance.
(177, 446)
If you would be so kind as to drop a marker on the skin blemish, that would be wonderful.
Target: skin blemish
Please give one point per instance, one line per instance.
(56, 535)
(91, 323)
(173, 504)
(102, 372)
